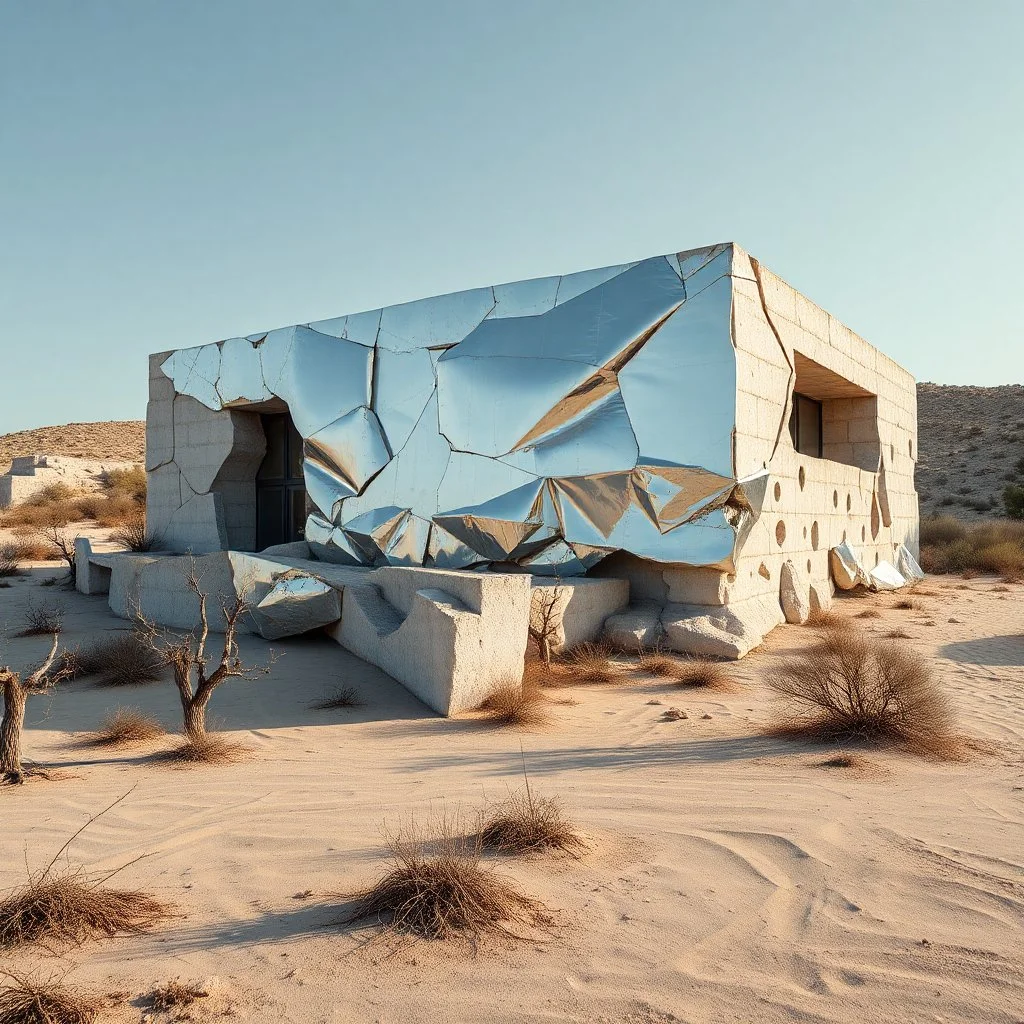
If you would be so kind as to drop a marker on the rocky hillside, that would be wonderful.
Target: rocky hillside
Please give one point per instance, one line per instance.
(970, 446)
(122, 440)
(970, 441)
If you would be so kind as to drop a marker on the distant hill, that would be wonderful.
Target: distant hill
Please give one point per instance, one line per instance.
(122, 440)
(969, 443)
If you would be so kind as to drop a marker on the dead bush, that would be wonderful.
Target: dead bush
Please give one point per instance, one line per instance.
(175, 994)
(907, 604)
(515, 704)
(133, 535)
(123, 659)
(10, 556)
(339, 697)
(898, 634)
(655, 663)
(124, 727)
(992, 546)
(869, 613)
(117, 510)
(703, 673)
(850, 688)
(69, 906)
(209, 748)
(439, 889)
(44, 1001)
(42, 618)
(587, 663)
(829, 618)
(525, 823)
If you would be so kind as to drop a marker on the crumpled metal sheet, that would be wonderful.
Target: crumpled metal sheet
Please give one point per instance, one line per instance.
(548, 422)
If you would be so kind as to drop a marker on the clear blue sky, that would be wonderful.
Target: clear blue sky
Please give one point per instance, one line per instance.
(176, 172)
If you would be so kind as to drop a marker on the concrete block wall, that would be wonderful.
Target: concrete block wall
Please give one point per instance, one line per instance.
(202, 467)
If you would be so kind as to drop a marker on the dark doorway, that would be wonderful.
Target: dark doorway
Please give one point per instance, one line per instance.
(280, 488)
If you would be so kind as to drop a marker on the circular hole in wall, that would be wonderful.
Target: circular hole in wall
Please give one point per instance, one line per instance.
(910, 447)
(849, 503)
(863, 534)
(808, 566)
(844, 536)
(763, 571)
(802, 477)
(778, 491)
(877, 558)
(835, 499)
(814, 535)
(780, 533)
(892, 451)
(805, 533)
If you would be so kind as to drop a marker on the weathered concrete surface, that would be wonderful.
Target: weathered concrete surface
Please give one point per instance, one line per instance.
(847, 569)
(452, 638)
(636, 628)
(885, 576)
(30, 474)
(579, 607)
(794, 594)
(729, 631)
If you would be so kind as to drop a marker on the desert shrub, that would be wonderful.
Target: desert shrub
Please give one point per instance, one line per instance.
(524, 823)
(125, 726)
(175, 994)
(515, 704)
(655, 663)
(869, 613)
(587, 663)
(133, 535)
(988, 546)
(907, 604)
(1013, 500)
(68, 906)
(48, 1001)
(828, 618)
(848, 687)
(117, 510)
(339, 697)
(209, 748)
(979, 504)
(123, 659)
(703, 673)
(439, 889)
(130, 482)
(10, 556)
(42, 618)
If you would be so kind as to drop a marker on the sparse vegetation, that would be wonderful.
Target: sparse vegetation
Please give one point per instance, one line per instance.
(42, 619)
(339, 697)
(850, 688)
(134, 536)
(209, 748)
(993, 546)
(869, 613)
(829, 618)
(10, 557)
(655, 663)
(515, 704)
(124, 659)
(703, 673)
(588, 663)
(439, 889)
(525, 823)
(907, 604)
(44, 1001)
(126, 726)
(1013, 500)
(175, 994)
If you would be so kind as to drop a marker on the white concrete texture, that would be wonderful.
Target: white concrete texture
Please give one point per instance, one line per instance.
(579, 607)
(31, 474)
(297, 603)
(794, 593)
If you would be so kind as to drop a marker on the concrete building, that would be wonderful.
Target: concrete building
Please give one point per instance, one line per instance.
(687, 423)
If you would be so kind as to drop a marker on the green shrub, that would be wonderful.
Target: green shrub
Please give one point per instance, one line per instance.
(1013, 501)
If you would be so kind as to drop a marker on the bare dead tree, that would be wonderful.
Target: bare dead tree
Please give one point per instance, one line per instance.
(62, 543)
(546, 619)
(195, 675)
(16, 691)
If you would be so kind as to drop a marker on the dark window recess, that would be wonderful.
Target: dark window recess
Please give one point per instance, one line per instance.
(805, 426)
(280, 488)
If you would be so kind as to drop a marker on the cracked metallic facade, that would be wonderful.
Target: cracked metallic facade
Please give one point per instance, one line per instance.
(547, 423)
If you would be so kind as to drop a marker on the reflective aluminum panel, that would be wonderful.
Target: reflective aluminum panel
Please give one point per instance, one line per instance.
(548, 422)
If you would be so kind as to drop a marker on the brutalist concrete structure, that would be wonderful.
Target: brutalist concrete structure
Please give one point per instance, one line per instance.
(689, 424)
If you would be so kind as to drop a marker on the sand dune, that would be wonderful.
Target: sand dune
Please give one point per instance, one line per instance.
(730, 876)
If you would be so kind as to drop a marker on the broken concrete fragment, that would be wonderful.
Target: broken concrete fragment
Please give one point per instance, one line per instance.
(820, 595)
(884, 576)
(847, 569)
(794, 594)
(907, 566)
(637, 628)
(728, 631)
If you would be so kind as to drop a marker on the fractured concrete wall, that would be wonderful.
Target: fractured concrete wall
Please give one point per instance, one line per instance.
(202, 467)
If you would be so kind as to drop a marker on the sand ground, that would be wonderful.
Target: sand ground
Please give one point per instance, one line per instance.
(731, 877)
